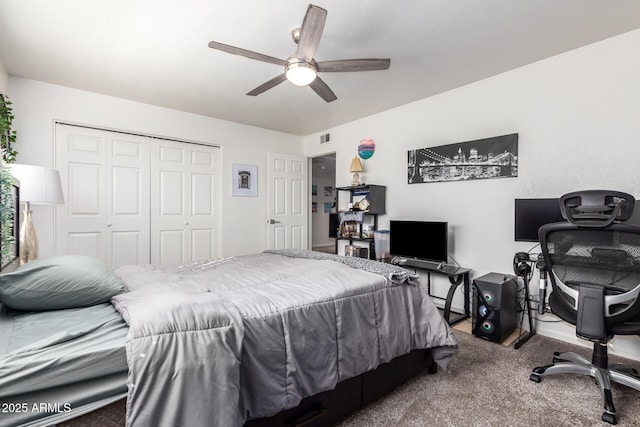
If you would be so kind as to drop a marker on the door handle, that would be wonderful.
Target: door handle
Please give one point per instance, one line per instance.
(273, 221)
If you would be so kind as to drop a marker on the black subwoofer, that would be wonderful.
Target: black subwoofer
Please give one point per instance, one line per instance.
(494, 306)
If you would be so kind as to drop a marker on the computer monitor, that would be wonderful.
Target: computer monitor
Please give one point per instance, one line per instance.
(531, 214)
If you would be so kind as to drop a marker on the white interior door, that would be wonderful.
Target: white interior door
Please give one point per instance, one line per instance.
(287, 223)
(106, 180)
(184, 202)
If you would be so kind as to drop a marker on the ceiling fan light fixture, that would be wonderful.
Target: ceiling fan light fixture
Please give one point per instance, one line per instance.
(301, 68)
(300, 73)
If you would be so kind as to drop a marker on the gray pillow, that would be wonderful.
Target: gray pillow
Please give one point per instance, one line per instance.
(60, 282)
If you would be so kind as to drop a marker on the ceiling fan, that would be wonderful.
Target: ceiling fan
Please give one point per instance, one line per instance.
(301, 68)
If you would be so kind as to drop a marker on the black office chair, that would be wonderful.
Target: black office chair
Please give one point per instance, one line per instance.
(593, 261)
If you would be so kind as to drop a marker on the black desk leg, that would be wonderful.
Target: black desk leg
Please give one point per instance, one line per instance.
(455, 282)
(467, 285)
(523, 338)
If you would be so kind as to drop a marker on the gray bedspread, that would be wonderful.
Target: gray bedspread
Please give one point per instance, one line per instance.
(224, 341)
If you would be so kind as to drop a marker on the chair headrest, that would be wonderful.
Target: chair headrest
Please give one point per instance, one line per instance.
(596, 208)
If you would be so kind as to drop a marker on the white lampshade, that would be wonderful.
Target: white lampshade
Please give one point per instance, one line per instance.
(38, 184)
(300, 73)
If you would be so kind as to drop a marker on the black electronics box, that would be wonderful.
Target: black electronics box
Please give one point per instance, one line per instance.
(494, 315)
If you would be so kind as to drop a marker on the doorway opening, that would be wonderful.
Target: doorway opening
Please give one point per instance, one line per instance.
(323, 203)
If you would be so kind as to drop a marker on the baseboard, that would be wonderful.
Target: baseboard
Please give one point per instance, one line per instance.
(553, 327)
(328, 248)
(623, 346)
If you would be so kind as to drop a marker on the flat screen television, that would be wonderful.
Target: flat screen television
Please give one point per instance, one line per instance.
(531, 214)
(427, 240)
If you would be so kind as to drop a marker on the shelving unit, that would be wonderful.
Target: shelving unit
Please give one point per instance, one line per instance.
(376, 194)
(376, 197)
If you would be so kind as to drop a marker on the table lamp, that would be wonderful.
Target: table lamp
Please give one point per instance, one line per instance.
(39, 186)
(356, 166)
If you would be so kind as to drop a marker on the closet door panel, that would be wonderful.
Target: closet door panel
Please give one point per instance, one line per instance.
(202, 242)
(125, 191)
(184, 197)
(105, 178)
(168, 206)
(202, 194)
(135, 199)
(204, 202)
(170, 247)
(85, 194)
(171, 192)
(81, 220)
(89, 244)
(126, 246)
(128, 199)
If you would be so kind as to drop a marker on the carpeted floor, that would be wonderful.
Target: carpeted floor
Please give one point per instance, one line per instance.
(488, 385)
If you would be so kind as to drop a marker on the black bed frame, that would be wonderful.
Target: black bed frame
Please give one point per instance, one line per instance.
(330, 407)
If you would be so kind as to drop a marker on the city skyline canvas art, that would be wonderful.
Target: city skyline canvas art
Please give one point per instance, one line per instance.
(495, 157)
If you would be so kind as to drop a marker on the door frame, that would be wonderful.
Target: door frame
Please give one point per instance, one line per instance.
(309, 192)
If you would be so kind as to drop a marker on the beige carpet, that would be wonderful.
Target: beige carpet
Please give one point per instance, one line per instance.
(488, 386)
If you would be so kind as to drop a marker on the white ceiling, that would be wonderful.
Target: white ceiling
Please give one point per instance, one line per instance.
(155, 51)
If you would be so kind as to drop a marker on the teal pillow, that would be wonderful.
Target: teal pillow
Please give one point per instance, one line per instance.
(60, 282)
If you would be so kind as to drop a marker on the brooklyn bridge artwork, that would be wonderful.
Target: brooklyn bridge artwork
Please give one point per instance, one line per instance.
(495, 157)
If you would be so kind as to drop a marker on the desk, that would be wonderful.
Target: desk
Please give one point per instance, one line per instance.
(457, 276)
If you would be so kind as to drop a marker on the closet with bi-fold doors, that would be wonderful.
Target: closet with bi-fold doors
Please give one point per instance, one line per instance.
(136, 199)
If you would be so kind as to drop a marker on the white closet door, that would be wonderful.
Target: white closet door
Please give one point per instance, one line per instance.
(106, 180)
(184, 202)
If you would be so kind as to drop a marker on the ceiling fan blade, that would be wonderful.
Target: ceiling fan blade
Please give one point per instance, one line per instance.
(321, 88)
(310, 32)
(246, 53)
(345, 65)
(268, 85)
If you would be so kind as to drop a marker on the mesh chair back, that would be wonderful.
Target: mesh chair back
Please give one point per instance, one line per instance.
(606, 257)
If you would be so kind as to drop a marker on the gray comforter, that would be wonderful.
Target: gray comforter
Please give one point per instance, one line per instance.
(224, 341)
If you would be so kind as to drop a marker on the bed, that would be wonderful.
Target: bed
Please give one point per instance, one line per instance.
(220, 342)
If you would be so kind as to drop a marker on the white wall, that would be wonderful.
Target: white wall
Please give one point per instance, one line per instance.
(243, 225)
(4, 79)
(578, 120)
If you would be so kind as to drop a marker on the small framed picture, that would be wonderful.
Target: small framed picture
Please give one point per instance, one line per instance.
(244, 179)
